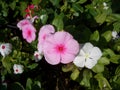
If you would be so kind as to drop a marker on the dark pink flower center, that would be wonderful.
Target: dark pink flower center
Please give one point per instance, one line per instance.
(60, 48)
(29, 33)
(36, 55)
(3, 47)
(16, 70)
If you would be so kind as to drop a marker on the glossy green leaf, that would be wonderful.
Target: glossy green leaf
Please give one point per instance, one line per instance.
(7, 64)
(55, 2)
(32, 66)
(58, 21)
(16, 86)
(75, 74)
(102, 81)
(36, 2)
(115, 59)
(29, 84)
(107, 35)
(77, 7)
(67, 67)
(81, 1)
(44, 18)
(98, 68)
(87, 75)
(104, 61)
(95, 36)
(100, 18)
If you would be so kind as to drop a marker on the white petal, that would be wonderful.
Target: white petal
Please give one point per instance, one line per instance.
(79, 61)
(90, 63)
(95, 53)
(82, 53)
(87, 47)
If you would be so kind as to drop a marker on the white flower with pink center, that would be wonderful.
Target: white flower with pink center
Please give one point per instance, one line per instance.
(18, 69)
(37, 56)
(5, 49)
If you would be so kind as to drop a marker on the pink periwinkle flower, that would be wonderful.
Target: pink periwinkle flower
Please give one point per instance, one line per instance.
(60, 48)
(22, 23)
(45, 31)
(28, 32)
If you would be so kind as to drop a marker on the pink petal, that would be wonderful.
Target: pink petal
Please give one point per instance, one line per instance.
(23, 22)
(61, 37)
(49, 52)
(45, 30)
(67, 58)
(28, 32)
(72, 46)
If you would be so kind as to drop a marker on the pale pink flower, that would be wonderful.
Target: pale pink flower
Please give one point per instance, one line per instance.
(45, 31)
(60, 48)
(5, 49)
(28, 32)
(22, 23)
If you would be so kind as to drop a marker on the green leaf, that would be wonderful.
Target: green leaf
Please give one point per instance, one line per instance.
(95, 36)
(87, 75)
(7, 63)
(75, 74)
(33, 66)
(58, 22)
(67, 67)
(38, 84)
(104, 61)
(12, 5)
(81, 1)
(77, 7)
(98, 68)
(44, 18)
(116, 26)
(108, 52)
(100, 18)
(107, 35)
(36, 2)
(16, 86)
(29, 84)
(102, 81)
(115, 59)
(55, 2)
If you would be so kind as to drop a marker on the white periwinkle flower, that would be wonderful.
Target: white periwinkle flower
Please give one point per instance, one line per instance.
(115, 35)
(88, 56)
(5, 49)
(18, 69)
(37, 56)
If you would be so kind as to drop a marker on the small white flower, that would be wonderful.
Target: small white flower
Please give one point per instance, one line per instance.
(5, 49)
(105, 6)
(88, 56)
(115, 35)
(18, 69)
(37, 56)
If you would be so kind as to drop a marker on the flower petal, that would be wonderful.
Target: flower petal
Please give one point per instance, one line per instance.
(90, 63)
(62, 37)
(87, 47)
(50, 54)
(67, 58)
(96, 53)
(79, 61)
(72, 46)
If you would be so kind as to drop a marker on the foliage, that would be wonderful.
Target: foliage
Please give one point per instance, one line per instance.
(87, 20)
